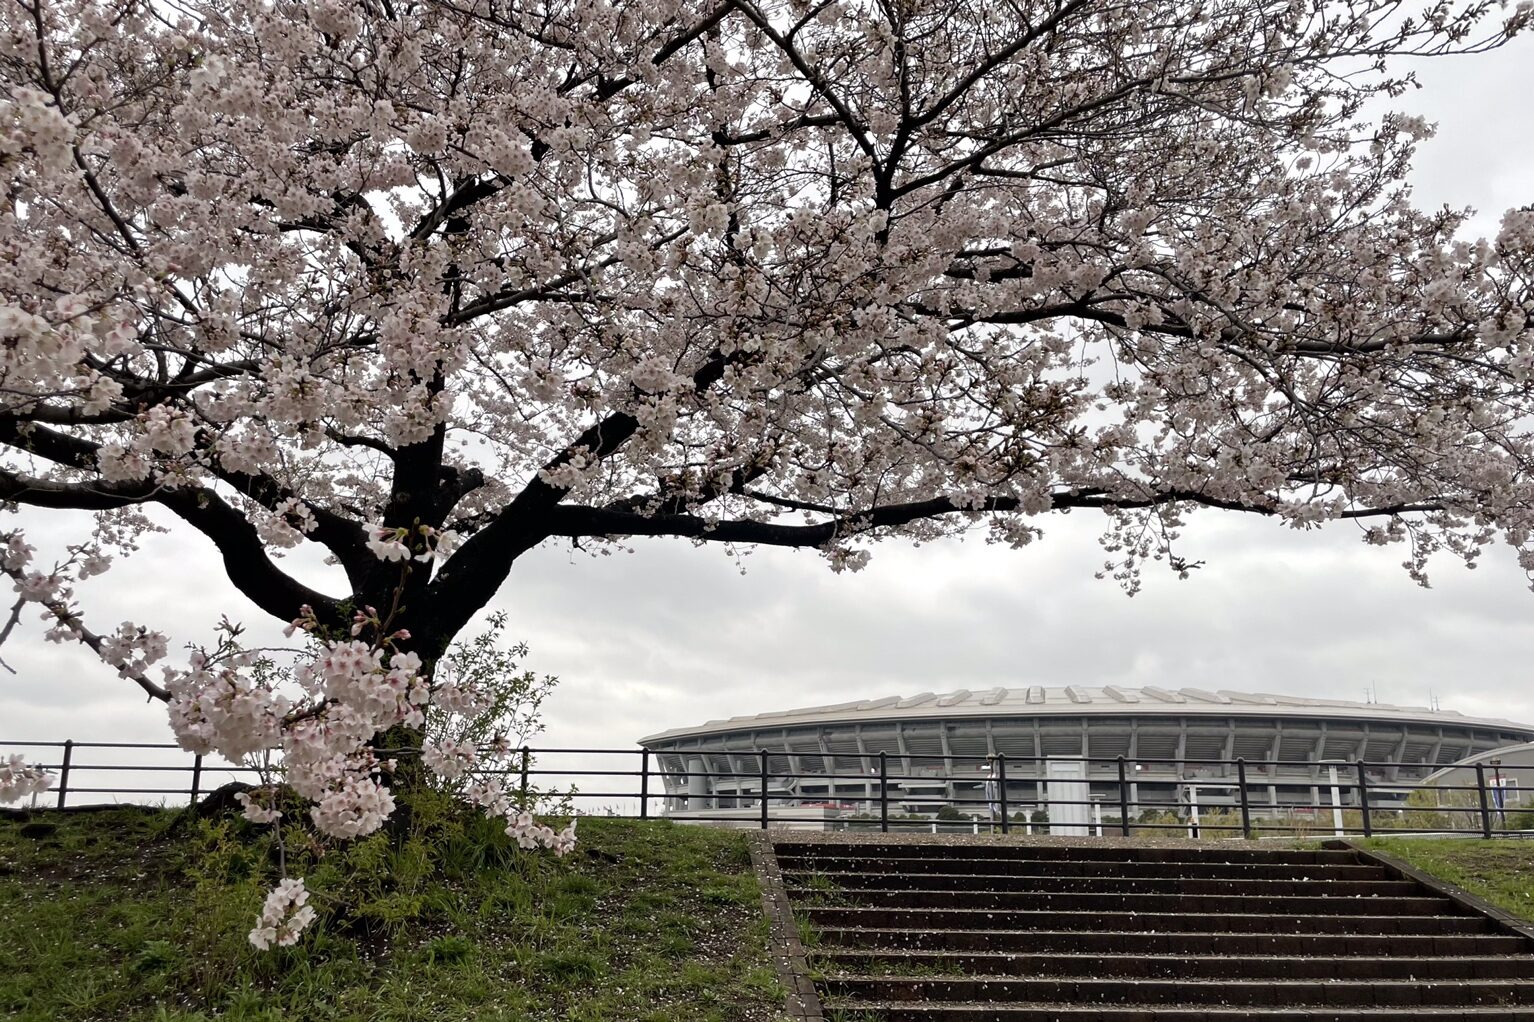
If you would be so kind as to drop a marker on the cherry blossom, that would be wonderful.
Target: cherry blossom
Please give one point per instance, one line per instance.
(449, 760)
(254, 811)
(284, 916)
(19, 781)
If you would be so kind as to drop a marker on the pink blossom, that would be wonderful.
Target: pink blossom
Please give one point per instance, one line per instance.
(283, 916)
(19, 780)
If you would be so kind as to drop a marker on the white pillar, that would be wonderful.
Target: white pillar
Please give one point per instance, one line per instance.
(1336, 800)
(697, 786)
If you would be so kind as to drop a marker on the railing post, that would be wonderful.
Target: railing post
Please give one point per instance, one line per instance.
(1480, 786)
(764, 789)
(1001, 791)
(884, 791)
(1123, 799)
(1246, 806)
(196, 778)
(527, 759)
(69, 748)
(644, 784)
(1363, 798)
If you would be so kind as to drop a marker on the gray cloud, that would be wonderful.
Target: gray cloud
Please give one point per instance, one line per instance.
(1312, 614)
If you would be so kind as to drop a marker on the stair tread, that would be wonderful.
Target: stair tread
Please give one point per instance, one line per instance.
(1092, 956)
(1067, 1011)
(1062, 895)
(991, 932)
(1100, 914)
(1156, 981)
(1064, 876)
(1326, 868)
(1181, 933)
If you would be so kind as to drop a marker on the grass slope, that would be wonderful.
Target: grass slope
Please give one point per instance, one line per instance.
(132, 914)
(1501, 872)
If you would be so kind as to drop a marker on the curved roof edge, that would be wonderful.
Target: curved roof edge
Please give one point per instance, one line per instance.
(1519, 759)
(1078, 700)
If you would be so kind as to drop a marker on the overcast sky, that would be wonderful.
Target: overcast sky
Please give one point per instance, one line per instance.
(670, 635)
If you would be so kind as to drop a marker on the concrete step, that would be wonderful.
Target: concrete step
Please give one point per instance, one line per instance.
(974, 931)
(885, 961)
(937, 918)
(1227, 992)
(1105, 852)
(1272, 888)
(867, 1011)
(1188, 867)
(1186, 904)
(1137, 940)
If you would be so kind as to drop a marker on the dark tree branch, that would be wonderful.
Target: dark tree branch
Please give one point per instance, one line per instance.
(340, 535)
(245, 559)
(471, 577)
(589, 522)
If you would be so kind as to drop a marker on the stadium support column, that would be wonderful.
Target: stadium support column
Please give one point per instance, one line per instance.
(698, 788)
(1273, 751)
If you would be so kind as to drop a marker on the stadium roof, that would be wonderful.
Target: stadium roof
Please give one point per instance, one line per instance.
(1515, 761)
(1079, 700)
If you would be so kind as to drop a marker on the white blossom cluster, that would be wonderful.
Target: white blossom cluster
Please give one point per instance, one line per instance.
(19, 781)
(393, 544)
(219, 707)
(449, 759)
(132, 649)
(283, 916)
(254, 811)
(521, 825)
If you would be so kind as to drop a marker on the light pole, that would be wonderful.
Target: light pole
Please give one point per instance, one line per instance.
(1331, 776)
(1497, 792)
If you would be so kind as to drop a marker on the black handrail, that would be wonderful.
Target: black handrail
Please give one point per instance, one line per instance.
(1374, 801)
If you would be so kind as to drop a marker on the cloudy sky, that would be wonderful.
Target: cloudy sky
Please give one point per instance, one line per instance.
(670, 635)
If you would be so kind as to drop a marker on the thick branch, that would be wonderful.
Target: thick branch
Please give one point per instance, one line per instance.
(579, 522)
(245, 559)
(471, 577)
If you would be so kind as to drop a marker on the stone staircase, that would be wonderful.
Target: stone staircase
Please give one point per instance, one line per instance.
(900, 930)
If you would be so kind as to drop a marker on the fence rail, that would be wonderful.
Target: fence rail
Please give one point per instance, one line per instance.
(1367, 797)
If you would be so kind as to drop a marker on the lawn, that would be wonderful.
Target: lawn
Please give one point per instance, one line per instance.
(134, 914)
(1500, 871)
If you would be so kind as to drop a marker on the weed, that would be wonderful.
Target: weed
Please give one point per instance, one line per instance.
(156, 956)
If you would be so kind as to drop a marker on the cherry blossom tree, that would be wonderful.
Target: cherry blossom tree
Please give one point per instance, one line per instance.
(431, 283)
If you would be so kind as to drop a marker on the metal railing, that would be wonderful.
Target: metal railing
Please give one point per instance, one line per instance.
(1366, 797)
(69, 767)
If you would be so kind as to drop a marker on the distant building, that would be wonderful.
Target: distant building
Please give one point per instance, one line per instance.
(1174, 741)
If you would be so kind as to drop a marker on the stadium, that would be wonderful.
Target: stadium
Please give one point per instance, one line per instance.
(1178, 745)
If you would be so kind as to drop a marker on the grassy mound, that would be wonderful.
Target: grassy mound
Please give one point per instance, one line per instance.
(128, 914)
(1500, 871)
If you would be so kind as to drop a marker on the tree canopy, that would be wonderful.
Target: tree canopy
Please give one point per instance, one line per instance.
(785, 273)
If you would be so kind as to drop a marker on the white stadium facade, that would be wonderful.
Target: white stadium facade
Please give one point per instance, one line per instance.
(1172, 741)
